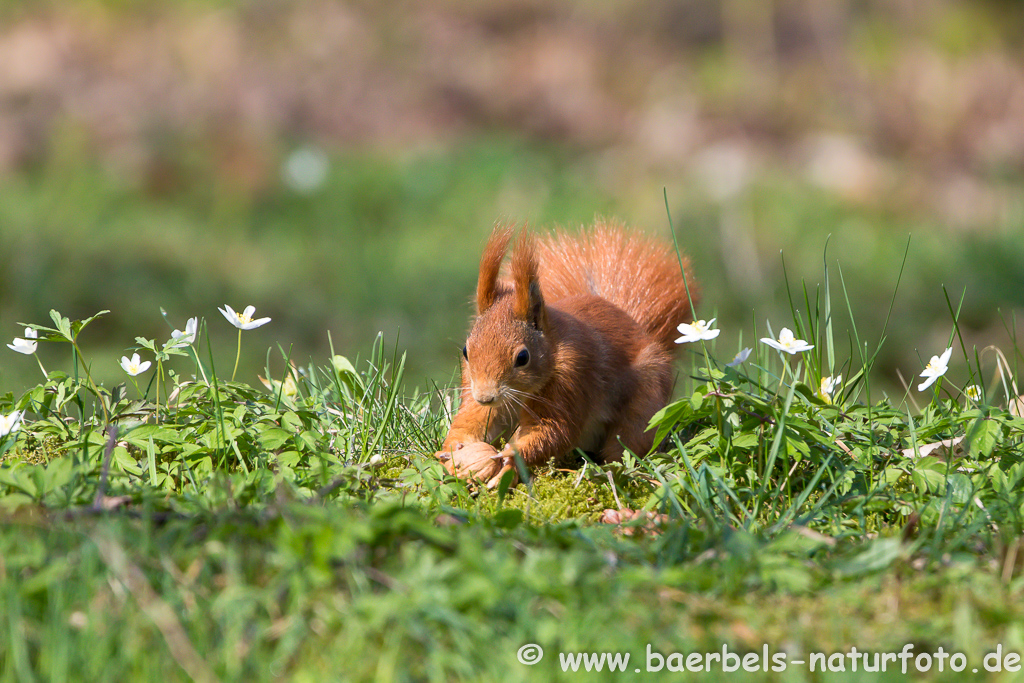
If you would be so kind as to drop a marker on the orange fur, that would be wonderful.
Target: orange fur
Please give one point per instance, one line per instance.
(490, 264)
(573, 350)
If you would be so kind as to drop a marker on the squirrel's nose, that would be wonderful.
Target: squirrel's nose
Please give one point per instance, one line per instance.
(485, 396)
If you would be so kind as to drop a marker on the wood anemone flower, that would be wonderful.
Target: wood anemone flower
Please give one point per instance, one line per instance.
(134, 365)
(935, 369)
(27, 345)
(787, 342)
(10, 423)
(698, 330)
(243, 320)
(179, 338)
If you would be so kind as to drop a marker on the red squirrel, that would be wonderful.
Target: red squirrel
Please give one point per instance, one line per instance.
(572, 349)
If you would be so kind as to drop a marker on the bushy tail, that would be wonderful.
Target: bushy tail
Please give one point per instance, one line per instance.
(638, 274)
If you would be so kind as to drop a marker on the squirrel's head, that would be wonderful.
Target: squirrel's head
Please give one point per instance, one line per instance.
(508, 352)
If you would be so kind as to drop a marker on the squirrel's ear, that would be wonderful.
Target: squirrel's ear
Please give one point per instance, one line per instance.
(529, 303)
(490, 264)
(537, 314)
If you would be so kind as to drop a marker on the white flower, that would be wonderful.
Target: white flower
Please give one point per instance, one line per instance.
(185, 338)
(787, 342)
(25, 346)
(739, 358)
(973, 392)
(697, 331)
(243, 320)
(828, 385)
(10, 423)
(134, 367)
(935, 369)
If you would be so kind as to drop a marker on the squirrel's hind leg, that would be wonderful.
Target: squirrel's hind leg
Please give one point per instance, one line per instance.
(652, 387)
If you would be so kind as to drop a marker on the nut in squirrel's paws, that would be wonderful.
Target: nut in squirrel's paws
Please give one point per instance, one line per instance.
(477, 461)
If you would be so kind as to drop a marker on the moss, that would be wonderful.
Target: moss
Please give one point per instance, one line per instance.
(554, 495)
(34, 451)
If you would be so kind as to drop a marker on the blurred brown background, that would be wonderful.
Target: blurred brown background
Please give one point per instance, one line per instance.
(338, 165)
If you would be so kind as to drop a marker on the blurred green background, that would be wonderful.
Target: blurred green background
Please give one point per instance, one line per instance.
(339, 165)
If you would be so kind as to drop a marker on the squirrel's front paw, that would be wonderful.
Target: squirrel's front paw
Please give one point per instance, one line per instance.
(505, 467)
(477, 460)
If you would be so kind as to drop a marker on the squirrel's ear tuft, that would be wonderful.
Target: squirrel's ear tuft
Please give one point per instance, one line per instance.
(490, 264)
(529, 303)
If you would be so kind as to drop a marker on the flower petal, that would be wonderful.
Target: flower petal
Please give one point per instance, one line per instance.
(252, 324)
(230, 315)
(739, 358)
(25, 346)
(10, 423)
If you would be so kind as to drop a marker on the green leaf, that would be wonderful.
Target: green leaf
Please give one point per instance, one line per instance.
(508, 518)
(666, 419)
(125, 461)
(878, 555)
(20, 478)
(78, 325)
(929, 480)
(746, 440)
(289, 459)
(273, 438)
(347, 375)
(291, 421)
(63, 324)
(983, 436)
(146, 343)
(960, 487)
(141, 435)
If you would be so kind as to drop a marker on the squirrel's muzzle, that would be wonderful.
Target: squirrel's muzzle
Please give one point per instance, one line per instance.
(485, 396)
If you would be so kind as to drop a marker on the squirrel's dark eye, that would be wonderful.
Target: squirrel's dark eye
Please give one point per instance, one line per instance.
(465, 353)
(522, 358)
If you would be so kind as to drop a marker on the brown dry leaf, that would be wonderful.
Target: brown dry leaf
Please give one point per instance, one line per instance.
(112, 502)
(938, 449)
(813, 535)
